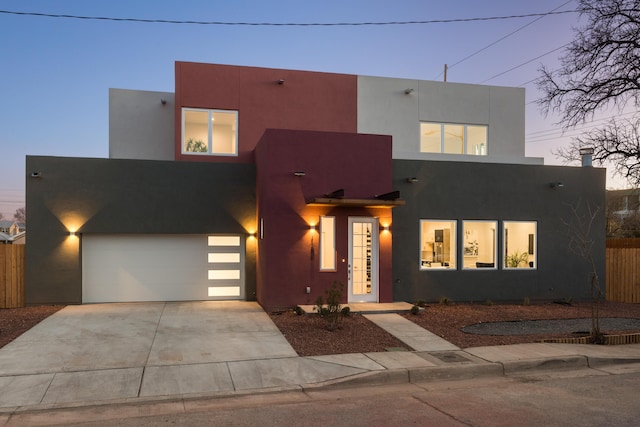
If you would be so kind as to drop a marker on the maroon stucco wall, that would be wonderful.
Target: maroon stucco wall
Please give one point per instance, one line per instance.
(306, 101)
(288, 250)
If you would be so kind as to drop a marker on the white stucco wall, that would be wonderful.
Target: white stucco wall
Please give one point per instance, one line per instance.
(140, 126)
(384, 108)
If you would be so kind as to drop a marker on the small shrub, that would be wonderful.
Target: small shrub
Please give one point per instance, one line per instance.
(445, 301)
(415, 309)
(331, 312)
(488, 303)
(526, 301)
(420, 303)
(346, 311)
(299, 311)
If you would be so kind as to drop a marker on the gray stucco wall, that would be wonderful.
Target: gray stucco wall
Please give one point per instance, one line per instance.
(125, 196)
(471, 191)
(140, 125)
(384, 108)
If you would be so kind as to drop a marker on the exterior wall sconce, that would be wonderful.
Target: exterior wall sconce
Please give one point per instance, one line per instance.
(312, 227)
(72, 233)
(281, 81)
(385, 228)
(163, 101)
(556, 185)
(252, 234)
(36, 175)
(412, 180)
(408, 91)
(300, 173)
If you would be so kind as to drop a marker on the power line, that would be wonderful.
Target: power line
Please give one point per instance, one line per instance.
(524, 63)
(502, 38)
(284, 24)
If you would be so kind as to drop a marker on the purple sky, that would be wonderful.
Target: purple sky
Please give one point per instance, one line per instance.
(56, 73)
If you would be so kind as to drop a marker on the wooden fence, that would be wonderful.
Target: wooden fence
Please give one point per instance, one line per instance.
(623, 270)
(12, 276)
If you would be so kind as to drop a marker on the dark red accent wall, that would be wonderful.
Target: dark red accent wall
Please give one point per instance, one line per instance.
(306, 101)
(288, 250)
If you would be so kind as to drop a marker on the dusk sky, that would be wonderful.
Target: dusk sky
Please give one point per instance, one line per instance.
(56, 72)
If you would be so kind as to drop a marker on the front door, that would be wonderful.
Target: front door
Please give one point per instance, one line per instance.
(363, 259)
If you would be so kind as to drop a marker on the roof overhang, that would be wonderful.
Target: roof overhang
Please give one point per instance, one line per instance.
(355, 203)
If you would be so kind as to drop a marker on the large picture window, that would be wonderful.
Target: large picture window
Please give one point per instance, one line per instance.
(453, 138)
(479, 240)
(209, 132)
(327, 243)
(437, 244)
(520, 244)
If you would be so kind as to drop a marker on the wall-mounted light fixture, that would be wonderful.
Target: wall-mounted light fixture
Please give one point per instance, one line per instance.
(299, 173)
(312, 227)
(556, 185)
(163, 101)
(412, 180)
(72, 233)
(36, 175)
(385, 227)
(281, 81)
(408, 91)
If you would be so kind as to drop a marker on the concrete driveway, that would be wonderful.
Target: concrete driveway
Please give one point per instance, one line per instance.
(106, 336)
(111, 351)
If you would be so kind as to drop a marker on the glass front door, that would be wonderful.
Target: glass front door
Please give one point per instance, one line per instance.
(363, 259)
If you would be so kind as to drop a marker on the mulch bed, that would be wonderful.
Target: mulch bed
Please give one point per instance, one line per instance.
(15, 321)
(307, 334)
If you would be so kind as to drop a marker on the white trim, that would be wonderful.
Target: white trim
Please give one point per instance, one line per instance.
(375, 256)
(210, 151)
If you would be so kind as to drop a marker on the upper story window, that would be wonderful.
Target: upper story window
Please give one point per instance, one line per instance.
(209, 132)
(453, 139)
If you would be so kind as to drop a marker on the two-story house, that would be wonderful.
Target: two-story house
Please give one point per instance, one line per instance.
(270, 184)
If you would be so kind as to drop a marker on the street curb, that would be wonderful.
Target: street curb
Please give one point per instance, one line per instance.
(545, 364)
(462, 371)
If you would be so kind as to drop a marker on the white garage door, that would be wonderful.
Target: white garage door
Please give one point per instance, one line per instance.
(125, 268)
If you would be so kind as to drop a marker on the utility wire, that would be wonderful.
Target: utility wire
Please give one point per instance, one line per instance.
(500, 39)
(283, 24)
(524, 63)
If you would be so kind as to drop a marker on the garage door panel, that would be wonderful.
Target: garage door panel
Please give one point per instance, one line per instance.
(119, 268)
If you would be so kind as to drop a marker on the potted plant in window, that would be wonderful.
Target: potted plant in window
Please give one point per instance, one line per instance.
(517, 259)
(195, 146)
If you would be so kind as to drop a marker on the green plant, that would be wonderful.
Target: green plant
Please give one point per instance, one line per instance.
(488, 303)
(420, 303)
(346, 311)
(415, 309)
(299, 311)
(195, 146)
(517, 259)
(332, 311)
(445, 301)
(526, 301)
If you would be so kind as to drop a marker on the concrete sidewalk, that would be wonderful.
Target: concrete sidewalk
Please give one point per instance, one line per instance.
(124, 353)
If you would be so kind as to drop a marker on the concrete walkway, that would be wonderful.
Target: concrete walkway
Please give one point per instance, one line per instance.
(124, 353)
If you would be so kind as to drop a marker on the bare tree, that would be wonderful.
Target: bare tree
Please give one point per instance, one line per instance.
(20, 215)
(581, 241)
(600, 70)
